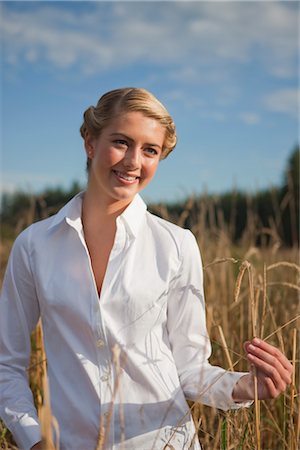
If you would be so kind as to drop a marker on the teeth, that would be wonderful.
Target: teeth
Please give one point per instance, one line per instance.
(125, 177)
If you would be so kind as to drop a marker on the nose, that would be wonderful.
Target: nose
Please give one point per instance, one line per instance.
(132, 158)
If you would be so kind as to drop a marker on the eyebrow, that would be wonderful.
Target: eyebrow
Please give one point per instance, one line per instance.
(130, 139)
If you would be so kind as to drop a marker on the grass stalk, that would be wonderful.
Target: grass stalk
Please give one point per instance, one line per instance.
(45, 414)
(298, 425)
(225, 348)
(292, 443)
(254, 309)
(264, 304)
(105, 422)
(231, 302)
(224, 431)
(278, 329)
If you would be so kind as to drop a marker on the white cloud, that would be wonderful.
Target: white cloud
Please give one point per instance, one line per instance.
(283, 101)
(213, 115)
(105, 36)
(35, 37)
(243, 31)
(13, 181)
(250, 118)
(7, 188)
(186, 101)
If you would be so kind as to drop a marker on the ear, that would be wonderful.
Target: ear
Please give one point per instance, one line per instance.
(89, 146)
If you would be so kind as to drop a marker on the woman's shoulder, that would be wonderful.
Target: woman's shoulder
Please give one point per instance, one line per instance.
(40, 230)
(168, 233)
(42, 227)
(165, 225)
(33, 232)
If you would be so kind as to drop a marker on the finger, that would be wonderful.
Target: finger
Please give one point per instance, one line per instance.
(274, 352)
(246, 343)
(268, 371)
(273, 392)
(270, 360)
(268, 389)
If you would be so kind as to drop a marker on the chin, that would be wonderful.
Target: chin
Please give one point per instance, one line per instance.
(125, 195)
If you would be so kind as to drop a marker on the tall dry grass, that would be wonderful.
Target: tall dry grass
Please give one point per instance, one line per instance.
(250, 291)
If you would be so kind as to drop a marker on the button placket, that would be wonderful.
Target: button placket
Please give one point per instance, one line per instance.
(104, 354)
(104, 377)
(100, 343)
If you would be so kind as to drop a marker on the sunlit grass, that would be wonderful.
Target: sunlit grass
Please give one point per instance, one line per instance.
(249, 290)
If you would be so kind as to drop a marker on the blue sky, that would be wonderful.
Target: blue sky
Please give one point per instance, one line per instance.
(226, 71)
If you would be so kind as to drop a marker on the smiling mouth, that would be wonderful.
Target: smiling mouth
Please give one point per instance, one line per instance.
(125, 177)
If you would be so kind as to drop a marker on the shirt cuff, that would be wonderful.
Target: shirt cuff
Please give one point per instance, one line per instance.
(235, 376)
(220, 393)
(213, 388)
(26, 432)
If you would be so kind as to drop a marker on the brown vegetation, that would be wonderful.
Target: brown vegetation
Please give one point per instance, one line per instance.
(250, 290)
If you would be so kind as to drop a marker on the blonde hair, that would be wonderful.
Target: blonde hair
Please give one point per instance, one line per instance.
(125, 100)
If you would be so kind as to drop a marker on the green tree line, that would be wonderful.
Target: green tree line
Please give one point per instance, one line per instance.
(268, 216)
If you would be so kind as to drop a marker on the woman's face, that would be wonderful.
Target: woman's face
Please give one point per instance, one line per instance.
(125, 156)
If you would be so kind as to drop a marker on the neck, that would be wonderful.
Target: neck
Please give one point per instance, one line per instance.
(100, 213)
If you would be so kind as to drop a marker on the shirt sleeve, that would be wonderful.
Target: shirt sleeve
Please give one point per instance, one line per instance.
(19, 313)
(191, 348)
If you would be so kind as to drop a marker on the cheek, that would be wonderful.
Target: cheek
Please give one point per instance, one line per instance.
(114, 156)
(108, 158)
(150, 168)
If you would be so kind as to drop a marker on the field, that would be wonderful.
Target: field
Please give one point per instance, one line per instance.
(250, 291)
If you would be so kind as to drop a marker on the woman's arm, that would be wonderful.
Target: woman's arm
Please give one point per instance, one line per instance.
(273, 371)
(19, 313)
(190, 343)
(191, 348)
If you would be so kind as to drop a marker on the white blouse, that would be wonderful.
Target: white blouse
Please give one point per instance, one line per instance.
(151, 309)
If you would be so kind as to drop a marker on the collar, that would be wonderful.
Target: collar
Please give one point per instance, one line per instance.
(132, 216)
(71, 213)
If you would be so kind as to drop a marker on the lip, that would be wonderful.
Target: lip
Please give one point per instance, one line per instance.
(121, 177)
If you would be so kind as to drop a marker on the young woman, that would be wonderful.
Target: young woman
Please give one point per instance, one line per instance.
(120, 295)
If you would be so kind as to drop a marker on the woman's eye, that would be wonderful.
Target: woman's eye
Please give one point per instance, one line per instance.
(151, 151)
(120, 142)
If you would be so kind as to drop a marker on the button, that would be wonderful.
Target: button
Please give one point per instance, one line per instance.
(104, 378)
(100, 343)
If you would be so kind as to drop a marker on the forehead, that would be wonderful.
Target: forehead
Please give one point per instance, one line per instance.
(136, 124)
